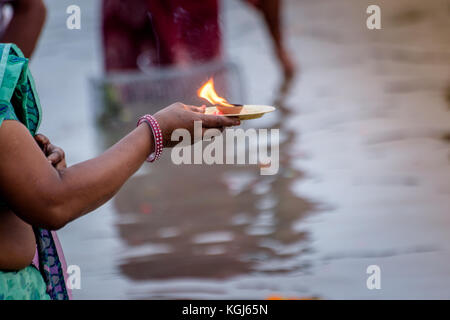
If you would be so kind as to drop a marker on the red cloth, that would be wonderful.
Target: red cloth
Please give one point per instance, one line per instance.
(168, 32)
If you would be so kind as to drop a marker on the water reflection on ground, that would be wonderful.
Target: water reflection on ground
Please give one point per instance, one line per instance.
(364, 173)
(211, 221)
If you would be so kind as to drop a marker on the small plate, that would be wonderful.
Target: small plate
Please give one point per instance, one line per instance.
(247, 112)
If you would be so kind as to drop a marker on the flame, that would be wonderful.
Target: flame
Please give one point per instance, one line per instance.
(207, 92)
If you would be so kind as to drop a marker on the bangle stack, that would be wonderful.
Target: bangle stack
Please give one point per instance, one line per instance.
(157, 136)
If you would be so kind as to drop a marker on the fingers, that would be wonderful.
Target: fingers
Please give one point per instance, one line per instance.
(54, 158)
(42, 141)
(210, 121)
(55, 154)
(61, 165)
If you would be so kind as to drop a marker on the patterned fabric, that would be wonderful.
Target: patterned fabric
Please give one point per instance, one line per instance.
(50, 265)
(19, 101)
(7, 112)
(25, 284)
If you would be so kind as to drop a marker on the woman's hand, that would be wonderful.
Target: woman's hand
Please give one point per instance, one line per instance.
(181, 116)
(54, 154)
(49, 198)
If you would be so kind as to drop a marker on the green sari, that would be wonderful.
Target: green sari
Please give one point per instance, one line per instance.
(19, 101)
(25, 284)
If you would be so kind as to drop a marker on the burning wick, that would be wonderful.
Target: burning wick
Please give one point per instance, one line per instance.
(208, 93)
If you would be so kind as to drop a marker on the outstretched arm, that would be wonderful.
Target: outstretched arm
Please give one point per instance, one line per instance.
(43, 196)
(26, 25)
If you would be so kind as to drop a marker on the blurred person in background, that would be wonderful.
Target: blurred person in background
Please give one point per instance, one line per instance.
(176, 33)
(21, 22)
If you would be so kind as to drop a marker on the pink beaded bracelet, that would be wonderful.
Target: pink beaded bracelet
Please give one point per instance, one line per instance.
(157, 135)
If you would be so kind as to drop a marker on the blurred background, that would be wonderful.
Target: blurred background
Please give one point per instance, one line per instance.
(364, 157)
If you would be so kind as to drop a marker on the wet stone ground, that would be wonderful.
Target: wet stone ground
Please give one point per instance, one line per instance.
(364, 164)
